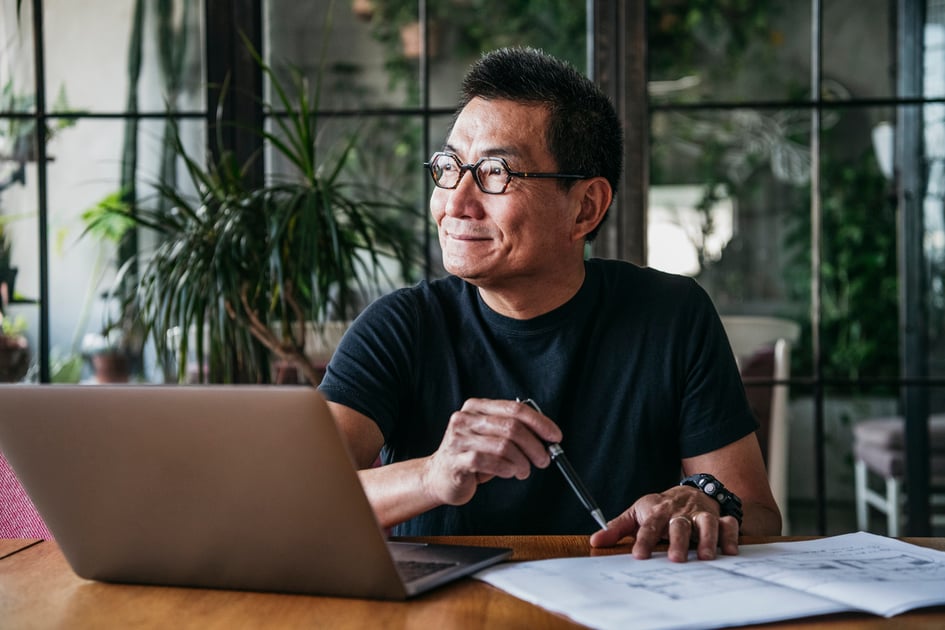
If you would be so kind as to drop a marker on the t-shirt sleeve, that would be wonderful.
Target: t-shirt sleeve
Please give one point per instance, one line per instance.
(715, 411)
(369, 371)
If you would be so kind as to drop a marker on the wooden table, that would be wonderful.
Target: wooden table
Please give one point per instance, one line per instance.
(39, 590)
(9, 546)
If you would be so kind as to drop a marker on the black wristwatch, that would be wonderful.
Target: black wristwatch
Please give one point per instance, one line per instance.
(729, 503)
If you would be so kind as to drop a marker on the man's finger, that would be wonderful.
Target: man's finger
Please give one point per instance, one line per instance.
(707, 529)
(617, 529)
(681, 529)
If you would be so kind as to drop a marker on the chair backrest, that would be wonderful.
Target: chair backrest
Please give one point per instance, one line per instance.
(762, 347)
(18, 516)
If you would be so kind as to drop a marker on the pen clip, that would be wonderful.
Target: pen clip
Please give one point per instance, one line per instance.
(531, 403)
(554, 449)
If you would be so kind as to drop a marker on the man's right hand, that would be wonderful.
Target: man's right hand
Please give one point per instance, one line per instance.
(485, 439)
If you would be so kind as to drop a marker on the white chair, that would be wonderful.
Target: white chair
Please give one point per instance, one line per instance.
(879, 450)
(750, 337)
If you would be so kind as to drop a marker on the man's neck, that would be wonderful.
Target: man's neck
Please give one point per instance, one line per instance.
(526, 298)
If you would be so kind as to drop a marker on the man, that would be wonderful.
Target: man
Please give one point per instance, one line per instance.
(630, 367)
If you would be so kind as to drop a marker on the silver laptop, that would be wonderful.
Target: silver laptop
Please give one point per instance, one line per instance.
(238, 487)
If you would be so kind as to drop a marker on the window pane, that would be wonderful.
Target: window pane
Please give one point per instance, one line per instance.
(79, 55)
(84, 171)
(726, 51)
(730, 205)
(934, 55)
(859, 285)
(373, 54)
(715, 51)
(17, 91)
(728, 192)
(852, 69)
(355, 48)
(468, 29)
(85, 174)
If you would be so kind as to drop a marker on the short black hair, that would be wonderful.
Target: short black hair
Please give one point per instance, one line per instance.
(584, 133)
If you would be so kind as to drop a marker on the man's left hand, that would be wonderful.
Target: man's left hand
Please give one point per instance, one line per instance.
(680, 515)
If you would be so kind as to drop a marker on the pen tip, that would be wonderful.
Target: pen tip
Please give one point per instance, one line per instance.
(599, 517)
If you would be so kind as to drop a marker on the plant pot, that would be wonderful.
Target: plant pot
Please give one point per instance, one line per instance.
(364, 9)
(411, 42)
(111, 367)
(14, 358)
(8, 278)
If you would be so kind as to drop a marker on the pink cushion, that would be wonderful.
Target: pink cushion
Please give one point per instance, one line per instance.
(891, 463)
(18, 516)
(889, 433)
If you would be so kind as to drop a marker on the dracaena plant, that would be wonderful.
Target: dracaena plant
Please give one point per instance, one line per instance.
(239, 269)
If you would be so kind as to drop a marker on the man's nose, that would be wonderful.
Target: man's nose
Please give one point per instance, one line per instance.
(466, 198)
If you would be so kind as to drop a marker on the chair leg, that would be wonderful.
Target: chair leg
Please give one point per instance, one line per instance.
(862, 516)
(893, 507)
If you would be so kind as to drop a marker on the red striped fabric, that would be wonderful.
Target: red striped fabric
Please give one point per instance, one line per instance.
(18, 516)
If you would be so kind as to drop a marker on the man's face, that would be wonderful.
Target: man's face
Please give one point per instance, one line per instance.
(524, 233)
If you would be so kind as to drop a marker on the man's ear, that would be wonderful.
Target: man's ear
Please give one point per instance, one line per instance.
(596, 195)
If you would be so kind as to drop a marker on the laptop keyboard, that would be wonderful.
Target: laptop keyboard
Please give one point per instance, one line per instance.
(413, 569)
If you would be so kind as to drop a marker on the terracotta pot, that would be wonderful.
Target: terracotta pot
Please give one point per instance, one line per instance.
(111, 367)
(410, 40)
(364, 9)
(14, 358)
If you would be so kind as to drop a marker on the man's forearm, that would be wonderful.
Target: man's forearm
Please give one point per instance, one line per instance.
(396, 491)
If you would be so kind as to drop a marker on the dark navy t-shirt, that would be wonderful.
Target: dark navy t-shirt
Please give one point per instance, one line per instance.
(635, 369)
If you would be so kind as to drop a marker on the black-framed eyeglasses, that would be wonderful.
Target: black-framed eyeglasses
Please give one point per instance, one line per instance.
(491, 174)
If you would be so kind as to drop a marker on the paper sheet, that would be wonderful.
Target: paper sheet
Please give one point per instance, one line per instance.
(763, 583)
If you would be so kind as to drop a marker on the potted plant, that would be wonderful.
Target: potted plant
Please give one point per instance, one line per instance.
(364, 9)
(116, 348)
(396, 25)
(17, 139)
(242, 270)
(109, 354)
(14, 349)
(7, 270)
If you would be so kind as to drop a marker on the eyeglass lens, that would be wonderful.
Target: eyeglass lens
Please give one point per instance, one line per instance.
(490, 174)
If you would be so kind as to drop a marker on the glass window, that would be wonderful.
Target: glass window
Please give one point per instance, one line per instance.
(157, 47)
(855, 70)
(464, 30)
(727, 191)
(730, 192)
(353, 47)
(728, 51)
(99, 150)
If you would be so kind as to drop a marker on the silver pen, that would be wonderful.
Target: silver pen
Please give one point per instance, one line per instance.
(570, 475)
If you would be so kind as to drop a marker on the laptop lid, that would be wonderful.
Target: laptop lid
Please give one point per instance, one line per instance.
(242, 487)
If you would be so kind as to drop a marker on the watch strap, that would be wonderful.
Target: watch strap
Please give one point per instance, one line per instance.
(729, 503)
